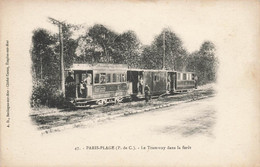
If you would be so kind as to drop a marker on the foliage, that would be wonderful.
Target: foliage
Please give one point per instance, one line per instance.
(104, 38)
(127, 49)
(43, 47)
(100, 44)
(204, 63)
(45, 94)
(87, 50)
(174, 52)
(45, 55)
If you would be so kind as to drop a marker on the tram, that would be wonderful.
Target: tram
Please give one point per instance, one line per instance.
(101, 84)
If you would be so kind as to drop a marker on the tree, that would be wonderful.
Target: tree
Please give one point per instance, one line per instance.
(150, 58)
(46, 60)
(42, 53)
(100, 44)
(208, 49)
(70, 44)
(204, 63)
(87, 50)
(104, 38)
(44, 67)
(210, 62)
(127, 49)
(173, 48)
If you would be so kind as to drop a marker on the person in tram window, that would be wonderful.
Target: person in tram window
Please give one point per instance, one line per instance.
(103, 78)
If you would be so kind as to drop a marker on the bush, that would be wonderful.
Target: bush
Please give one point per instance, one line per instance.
(45, 94)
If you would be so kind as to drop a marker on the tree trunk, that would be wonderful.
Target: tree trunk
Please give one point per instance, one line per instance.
(62, 81)
(41, 65)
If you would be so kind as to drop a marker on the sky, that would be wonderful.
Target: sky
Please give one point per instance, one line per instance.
(194, 24)
(193, 21)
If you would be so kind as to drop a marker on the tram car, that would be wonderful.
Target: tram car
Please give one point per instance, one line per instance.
(160, 81)
(100, 84)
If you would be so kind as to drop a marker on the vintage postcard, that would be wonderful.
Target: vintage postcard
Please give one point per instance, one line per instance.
(130, 83)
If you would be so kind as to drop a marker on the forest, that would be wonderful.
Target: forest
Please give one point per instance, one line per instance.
(100, 44)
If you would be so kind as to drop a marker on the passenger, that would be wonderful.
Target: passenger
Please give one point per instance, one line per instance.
(88, 81)
(82, 89)
(196, 81)
(123, 78)
(140, 83)
(147, 93)
(102, 79)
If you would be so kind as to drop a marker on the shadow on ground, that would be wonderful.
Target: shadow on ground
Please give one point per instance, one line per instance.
(202, 124)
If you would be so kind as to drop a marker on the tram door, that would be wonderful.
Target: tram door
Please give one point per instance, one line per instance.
(171, 81)
(140, 83)
(137, 79)
(132, 76)
(84, 83)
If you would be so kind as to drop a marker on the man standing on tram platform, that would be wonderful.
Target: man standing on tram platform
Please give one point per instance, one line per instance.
(69, 84)
(69, 78)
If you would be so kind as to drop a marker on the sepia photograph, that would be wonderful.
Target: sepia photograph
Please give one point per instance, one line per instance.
(101, 72)
(130, 83)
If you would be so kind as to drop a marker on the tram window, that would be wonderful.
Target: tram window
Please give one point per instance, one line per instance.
(156, 78)
(178, 76)
(77, 78)
(192, 77)
(118, 77)
(103, 78)
(184, 76)
(108, 78)
(114, 77)
(123, 77)
(97, 78)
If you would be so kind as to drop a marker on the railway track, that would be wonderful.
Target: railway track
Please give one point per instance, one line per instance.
(192, 94)
(86, 117)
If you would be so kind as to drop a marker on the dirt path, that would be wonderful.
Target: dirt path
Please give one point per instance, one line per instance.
(52, 119)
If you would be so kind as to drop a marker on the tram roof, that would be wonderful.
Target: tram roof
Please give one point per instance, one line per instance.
(98, 66)
(156, 70)
(139, 69)
(102, 66)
